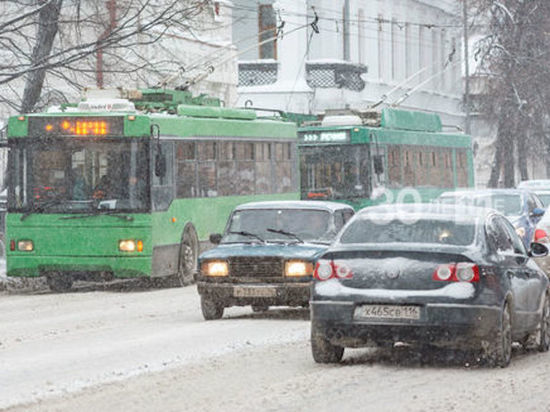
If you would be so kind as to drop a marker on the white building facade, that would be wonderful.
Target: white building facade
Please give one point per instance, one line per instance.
(363, 50)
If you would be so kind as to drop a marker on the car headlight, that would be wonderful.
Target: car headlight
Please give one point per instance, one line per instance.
(215, 268)
(520, 231)
(297, 268)
(25, 245)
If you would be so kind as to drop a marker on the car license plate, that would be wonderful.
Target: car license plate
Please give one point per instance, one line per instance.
(254, 292)
(382, 312)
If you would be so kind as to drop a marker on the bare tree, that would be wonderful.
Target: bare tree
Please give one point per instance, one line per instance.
(514, 55)
(48, 43)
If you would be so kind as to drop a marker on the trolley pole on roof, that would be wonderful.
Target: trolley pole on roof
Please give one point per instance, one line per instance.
(467, 128)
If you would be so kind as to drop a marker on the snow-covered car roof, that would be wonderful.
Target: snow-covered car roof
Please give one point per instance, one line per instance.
(484, 192)
(427, 210)
(535, 184)
(295, 204)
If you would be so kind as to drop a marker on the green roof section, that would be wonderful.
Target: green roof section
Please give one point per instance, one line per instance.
(216, 112)
(168, 99)
(410, 120)
(222, 127)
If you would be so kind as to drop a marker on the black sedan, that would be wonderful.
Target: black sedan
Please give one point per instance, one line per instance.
(429, 275)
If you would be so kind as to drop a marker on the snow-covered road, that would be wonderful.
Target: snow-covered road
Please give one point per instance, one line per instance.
(151, 350)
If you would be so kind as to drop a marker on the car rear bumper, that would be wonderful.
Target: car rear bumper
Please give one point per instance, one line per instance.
(270, 294)
(439, 324)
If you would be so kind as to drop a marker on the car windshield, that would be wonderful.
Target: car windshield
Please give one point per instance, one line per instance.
(79, 176)
(304, 224)
(507, 204)
(386, 229)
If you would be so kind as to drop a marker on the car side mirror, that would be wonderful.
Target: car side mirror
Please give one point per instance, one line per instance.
(538, 250)
(215, 238)
(537, 212)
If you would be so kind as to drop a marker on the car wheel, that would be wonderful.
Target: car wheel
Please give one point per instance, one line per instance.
(260, 308)
(59, 282)
(187, 261)
(322, 350)
(501, 353)
(543, 341)
(211, 310)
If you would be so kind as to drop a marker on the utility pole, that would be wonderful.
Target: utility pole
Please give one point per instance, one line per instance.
(467, 69)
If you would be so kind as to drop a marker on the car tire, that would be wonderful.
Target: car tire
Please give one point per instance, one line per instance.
(543, 341)
(59, 282)
(501, 350)
(260, 308)
(321, 349)
(211, 310)
(188, 256)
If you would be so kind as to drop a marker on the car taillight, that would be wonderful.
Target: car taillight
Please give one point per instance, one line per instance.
(325, 270)
(445, 272)
(453, 272)
(467, 272)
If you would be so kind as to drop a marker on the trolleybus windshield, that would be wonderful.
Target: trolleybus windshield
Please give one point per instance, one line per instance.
(334, 171)
(61, 176)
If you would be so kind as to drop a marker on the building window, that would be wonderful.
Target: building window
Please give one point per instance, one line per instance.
(408, 51)
(346, 30)
(394, 49)
(268, 30)
(382, 49)
(361, 36)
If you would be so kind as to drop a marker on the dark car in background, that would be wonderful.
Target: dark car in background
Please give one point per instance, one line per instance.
(540, 187)
(429, 275)
(265, 256)
(522, 207)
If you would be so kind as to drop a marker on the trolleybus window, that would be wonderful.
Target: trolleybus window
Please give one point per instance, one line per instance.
(211, 169)
(64, 176)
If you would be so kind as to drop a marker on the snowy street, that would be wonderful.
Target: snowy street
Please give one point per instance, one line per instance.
(151, 350)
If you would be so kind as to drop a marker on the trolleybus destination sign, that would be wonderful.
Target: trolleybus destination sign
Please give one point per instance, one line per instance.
(76, 126)
(325, 136)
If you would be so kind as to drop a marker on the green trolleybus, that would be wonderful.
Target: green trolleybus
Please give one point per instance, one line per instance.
(132, 185)
(392, 155)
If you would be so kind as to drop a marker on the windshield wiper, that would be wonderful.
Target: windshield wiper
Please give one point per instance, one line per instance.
(283, 232)
(112, 213)
(243, 233)
(41, 208)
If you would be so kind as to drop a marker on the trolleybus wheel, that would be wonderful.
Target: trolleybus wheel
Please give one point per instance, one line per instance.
(59, 282)
(189, 250)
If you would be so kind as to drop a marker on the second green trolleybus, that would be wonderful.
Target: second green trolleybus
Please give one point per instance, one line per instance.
(392, 155)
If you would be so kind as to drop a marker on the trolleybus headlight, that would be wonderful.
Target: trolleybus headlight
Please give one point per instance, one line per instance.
(215, 268)
(296, 268)
(25, 245)
(127, 245)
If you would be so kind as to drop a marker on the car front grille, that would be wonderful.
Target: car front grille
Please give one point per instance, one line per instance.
(256, 267)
